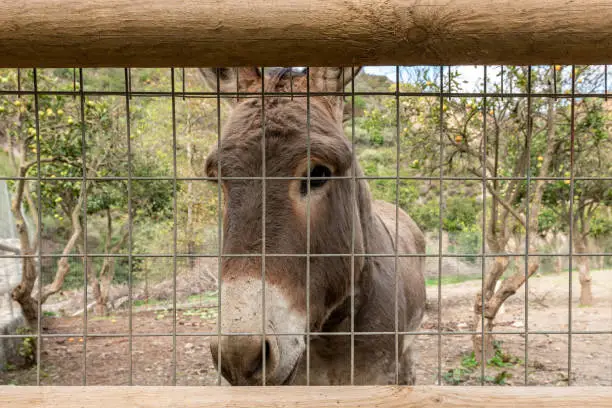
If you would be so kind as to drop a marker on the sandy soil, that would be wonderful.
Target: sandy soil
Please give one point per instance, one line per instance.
(544, 361)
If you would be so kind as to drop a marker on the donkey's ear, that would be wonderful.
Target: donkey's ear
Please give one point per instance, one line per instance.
(347, 112)
(332, 79)
(231, 79)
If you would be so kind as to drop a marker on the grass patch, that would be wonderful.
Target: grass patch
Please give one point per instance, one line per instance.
(454, 279)
(210, 296)
(499, 379)
(206, 297)
(469, 368)
(456, 376)
(204, 314)
(450, 280)
(502, 358)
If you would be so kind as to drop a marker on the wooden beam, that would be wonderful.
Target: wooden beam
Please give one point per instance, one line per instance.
(305, 397)
(104, 33)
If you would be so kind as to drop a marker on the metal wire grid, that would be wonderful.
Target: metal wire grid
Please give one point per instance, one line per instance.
(218, 95)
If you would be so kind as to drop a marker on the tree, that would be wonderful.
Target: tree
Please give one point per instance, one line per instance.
(59, 150)
(592, 147)
(522, 137)
(151, 200)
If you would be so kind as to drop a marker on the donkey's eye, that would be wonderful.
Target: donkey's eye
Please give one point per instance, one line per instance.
(319, 175)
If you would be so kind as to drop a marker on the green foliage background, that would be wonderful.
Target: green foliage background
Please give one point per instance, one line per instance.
(455, 206)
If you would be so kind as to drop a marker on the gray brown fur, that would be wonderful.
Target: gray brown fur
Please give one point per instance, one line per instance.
(331, 217)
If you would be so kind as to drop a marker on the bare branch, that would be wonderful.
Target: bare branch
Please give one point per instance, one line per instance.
(8, 248)
(62, 265)
(506, 205)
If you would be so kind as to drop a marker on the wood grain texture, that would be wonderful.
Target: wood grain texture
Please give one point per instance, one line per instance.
(315, 397)
(98, 33)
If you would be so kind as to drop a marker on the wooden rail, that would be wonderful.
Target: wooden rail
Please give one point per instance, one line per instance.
(98, 33)
(306, 397)
(187, 33)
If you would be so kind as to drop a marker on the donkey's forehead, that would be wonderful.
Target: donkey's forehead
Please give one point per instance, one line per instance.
(289, 125)
(282, 117)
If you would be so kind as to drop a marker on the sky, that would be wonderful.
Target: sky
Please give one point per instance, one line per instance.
(470, 74)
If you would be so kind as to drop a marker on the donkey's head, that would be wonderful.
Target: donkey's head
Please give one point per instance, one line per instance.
(269, 136)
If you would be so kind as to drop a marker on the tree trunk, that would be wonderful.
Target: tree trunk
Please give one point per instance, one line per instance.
(101, 282)
(478, 343)
(584, 270)
(558, 265)
(496, 270)
(190, 235)
(586, 294)
(63, 267)
(107, 274)
(22, 293)
(146, 283)
(93, 280)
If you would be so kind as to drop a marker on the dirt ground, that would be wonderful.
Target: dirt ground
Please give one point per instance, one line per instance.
(545, 360)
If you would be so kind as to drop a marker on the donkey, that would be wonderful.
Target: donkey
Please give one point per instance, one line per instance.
(343, 221)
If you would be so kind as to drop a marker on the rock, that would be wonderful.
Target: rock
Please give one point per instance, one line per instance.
(11, 318)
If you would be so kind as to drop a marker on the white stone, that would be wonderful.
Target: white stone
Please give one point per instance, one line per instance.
(518, 324)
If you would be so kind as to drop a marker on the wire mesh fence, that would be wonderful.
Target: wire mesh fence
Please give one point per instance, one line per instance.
(132, 232)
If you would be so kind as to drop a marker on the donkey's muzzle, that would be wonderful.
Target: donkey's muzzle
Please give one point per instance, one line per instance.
(242, 359)
(247, 354)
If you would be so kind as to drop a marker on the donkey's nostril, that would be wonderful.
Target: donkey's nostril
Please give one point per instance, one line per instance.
(257, 364)
(256, 367)
(267, 351)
